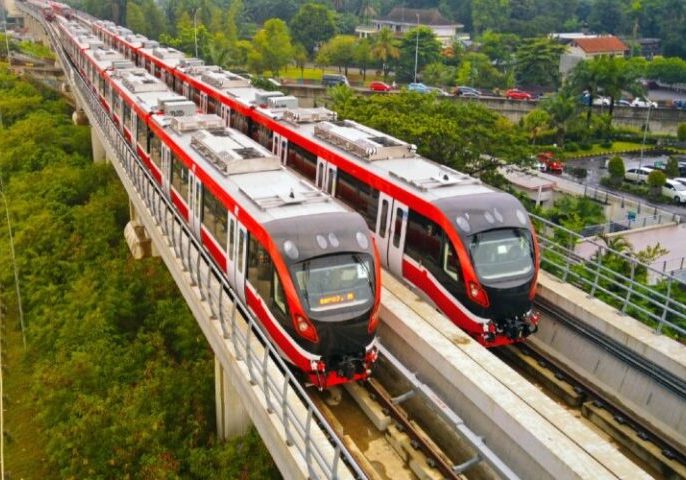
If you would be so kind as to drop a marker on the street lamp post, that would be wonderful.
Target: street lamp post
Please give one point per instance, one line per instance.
(7, 38)
(195, 31)
(645, 132)
(416, 51)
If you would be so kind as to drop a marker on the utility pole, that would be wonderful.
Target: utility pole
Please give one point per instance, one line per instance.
(416, 51)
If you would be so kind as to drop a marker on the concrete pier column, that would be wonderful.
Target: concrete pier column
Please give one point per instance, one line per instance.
(232, 418)
(137, 237)
(99, 154)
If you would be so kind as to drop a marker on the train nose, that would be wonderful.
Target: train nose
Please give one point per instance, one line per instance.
(349, 366)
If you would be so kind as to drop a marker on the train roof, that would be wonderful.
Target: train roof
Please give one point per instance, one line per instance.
(250, 173)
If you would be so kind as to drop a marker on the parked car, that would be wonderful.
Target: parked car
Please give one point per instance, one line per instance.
(622, 103)
(517, 94)
(681, 180)
(548, 163)
(674, 190)
(642, 102)
(333, 79)
(418, 87)
(680, 104)
(463, 91)
(638, 175)
(438, 91)
(377, 86)
(601, 101)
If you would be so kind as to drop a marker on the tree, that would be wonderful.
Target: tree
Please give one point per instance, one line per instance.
(607, 16)
(420, 43)
(656, 180)
(500, 48)
(616, 169)
(490, 15)
(534, 122)
(135, 19)
(672, 167)
(362, 54)
(339, 51)
(562, 108)
(272, 46)
(385, 49)
(313, 25)
(477, 69)
(300, 58)
(537, 62)
(681, 132)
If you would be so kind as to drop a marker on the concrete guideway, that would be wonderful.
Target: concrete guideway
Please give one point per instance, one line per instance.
(646, 392)
(531, 433)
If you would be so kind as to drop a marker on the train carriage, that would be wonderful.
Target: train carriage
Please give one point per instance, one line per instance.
(305, 265)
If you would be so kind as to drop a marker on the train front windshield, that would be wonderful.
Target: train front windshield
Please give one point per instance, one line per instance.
(502, 254)
(330, 284)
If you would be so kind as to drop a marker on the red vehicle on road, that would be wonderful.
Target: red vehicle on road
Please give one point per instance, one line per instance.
(549, 163)
(517, 94)
(377, 86)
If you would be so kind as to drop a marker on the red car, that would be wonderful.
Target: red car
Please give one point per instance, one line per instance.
(549, 163)
(517, 94)
(377, 86)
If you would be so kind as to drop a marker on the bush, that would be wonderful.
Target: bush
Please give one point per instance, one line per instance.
(571, 147)
(606, 144)
(672, 168)
(579, 172)
(585, 145)
(656, 180)
(616, 169)
(681, 132)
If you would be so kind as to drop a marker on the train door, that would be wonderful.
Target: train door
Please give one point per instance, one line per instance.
(166, 168)
(186, 90)
(195, 195)
(326, 176)
(280, 147)
(391, 228)
(231, 250)
(226, 114)
(241, 256)
(203, 102)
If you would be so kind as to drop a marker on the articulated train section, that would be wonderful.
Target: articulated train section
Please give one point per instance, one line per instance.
(438, 405)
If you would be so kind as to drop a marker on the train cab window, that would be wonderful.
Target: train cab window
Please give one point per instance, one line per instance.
(398, 227)
(142, 134)
(214, 217)
(156, 151)
(279, 296)
(384, 218)
(232, 232)
(179, 178)
(450, 261)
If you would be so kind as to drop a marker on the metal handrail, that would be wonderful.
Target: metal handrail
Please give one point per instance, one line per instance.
(604, 196)
(643, 302)
(224, 304)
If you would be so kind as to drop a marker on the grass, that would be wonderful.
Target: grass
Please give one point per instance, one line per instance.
(311, 74)
(597, 150)
(24, 440)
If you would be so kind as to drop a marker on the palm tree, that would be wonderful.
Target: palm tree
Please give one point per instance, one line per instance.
(385, 49)
(561, 108)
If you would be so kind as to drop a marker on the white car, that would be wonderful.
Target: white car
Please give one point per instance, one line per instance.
(681, 180)
(642, 102)
(639, 175)
(601, 101)
(674, 190)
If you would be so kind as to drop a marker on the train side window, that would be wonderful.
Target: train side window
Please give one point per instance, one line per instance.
(212, 105)
(423, 239)
(302, 161)
(156, 151)
(142, 134)
(260, 270)
(398, 227)
(179, 177)
(384, 218)
(232, 232)
(126, 118)
(450, 261)
(214, 216)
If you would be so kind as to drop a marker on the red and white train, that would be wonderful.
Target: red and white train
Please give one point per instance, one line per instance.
(468, 249)
(304, 264)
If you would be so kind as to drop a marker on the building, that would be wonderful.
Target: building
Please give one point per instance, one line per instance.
(401, 20)
(584, 47)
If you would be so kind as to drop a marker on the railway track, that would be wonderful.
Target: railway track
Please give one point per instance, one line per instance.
(638, 440)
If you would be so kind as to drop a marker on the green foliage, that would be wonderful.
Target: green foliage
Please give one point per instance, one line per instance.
(313, 24)
(339, 51)
(672, 167)
(537, 62)
(122, 377)
(464, 135)
(656, 179)
(421, 41)
(575, 213)
(273, 49)
(616, 169)
(681, 132)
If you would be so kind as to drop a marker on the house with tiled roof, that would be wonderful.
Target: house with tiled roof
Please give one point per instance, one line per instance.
(588, 47)
(401, 20)
(584, 47)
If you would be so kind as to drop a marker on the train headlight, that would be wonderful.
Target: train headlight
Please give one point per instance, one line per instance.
(305, 329)
(478, 294)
